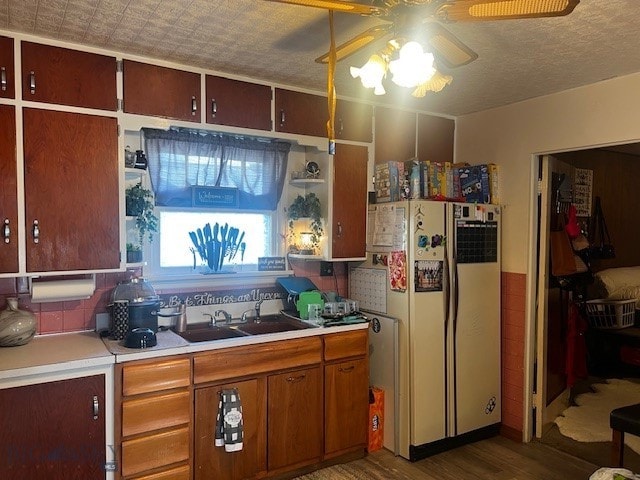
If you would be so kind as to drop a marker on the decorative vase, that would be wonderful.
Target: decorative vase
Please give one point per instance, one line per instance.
(17, 327)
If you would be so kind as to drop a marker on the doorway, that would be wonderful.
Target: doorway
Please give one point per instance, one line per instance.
(614, 169)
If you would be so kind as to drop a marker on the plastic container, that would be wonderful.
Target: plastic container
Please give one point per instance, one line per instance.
(610, 314)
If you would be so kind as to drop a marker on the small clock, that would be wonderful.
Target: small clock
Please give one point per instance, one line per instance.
(312, 169)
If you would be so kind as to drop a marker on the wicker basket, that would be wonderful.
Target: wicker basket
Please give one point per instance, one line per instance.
(610, 314)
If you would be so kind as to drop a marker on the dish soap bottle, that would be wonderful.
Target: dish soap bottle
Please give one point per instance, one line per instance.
(17, 327)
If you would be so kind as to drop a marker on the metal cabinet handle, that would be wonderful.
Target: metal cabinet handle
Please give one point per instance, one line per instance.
(32, 82)
(3, 78)
(339, 232)
(340, 126)
(214, 107)
(282, 118)
(194, 106)
(36, 231)
(96, 407)
(6, 231)
(299, 378)
(346, 369)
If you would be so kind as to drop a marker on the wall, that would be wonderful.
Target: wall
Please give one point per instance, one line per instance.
(61, 317)
(600, 114)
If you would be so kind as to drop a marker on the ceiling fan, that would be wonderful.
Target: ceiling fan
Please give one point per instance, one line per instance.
(422, 18)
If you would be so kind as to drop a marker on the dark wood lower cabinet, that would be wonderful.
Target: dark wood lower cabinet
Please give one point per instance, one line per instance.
(295, 418)
(214, 462)
(50, 431)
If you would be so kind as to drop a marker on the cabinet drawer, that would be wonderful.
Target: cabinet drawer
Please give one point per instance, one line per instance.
(178, 473)
(156, 376)
(154, 451)
(162, 411)
(255, 359)
(347, 344)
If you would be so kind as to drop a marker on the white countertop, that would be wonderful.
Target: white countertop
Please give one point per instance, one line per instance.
(53, 353)
(68, 351)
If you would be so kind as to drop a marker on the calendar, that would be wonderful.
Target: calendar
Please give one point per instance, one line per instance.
(369, 287)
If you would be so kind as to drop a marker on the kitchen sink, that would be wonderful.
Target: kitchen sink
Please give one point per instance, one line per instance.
(279, 324)
(205, 333)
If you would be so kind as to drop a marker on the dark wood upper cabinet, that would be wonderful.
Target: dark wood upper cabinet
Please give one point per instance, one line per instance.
(7, 73)
(71, 191)
(161, 91)
(53, 430)
(349, 222)
(435, 138)
(238, 104)
(395, 135)
(68, 77)
(8, 192)
(301, 113)
(353, 121)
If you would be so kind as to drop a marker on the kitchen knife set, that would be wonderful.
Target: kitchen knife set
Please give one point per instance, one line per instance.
(214, 245)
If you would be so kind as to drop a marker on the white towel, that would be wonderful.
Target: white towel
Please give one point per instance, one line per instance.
(229, 431)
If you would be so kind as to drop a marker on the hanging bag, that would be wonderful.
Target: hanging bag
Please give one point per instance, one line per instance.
(562, 257)
(601, 246)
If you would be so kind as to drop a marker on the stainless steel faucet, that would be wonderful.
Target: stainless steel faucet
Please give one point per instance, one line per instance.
(257, 309)
(226, 315)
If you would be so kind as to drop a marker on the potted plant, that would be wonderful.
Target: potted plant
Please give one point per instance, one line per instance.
(307, 207)
(139, 204)
(134, 253)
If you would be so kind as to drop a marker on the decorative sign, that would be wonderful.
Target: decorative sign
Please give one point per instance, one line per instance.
(583, 191)
(221, 297)
(218, 197)
(271, 264)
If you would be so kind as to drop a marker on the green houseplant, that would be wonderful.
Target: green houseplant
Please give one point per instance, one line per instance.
(139, 204)
(306, 207)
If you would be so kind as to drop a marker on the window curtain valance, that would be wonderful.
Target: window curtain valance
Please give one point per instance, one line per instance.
(180, 159)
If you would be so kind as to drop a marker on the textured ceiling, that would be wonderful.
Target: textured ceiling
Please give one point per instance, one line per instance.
(518, 59)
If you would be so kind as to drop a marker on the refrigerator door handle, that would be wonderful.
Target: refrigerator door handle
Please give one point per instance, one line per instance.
(446, 290)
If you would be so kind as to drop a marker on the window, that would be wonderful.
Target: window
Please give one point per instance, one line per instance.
(180, 160)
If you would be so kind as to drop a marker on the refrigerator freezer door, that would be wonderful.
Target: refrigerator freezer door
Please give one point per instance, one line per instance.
(476, 325)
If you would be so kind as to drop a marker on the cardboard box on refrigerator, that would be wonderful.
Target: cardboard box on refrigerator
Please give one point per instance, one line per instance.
(474, 184)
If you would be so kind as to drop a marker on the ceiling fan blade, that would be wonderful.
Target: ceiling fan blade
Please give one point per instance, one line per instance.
(356, 43)
(447, 48)
(480, 10)
(336, 5)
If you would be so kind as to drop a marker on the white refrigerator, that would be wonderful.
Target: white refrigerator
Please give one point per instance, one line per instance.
(435, 266)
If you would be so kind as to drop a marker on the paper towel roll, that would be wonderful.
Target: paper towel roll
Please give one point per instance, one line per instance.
(62, 290)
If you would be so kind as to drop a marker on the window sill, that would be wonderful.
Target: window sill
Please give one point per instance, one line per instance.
(218, 279)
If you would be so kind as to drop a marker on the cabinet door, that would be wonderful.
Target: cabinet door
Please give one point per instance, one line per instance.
(214, 462)
(295, 418)
(238, 104)
(161, 91)
(7, 75)
(301, 113)
(51, 431)
(395, 135)
(8, 192)
(353, 121)
(346, 405)
(68, 77)
(435, 138)
(71, 191)
(349, 223)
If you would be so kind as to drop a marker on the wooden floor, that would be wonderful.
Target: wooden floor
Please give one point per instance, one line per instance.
(497, 458)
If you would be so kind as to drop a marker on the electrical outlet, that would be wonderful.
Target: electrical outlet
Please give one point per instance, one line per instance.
(326, 269)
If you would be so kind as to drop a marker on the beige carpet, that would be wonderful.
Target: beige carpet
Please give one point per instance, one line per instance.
(588, 421)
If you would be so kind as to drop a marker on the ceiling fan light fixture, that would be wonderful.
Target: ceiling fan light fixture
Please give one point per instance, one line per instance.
(372, 73)
(413, 67)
